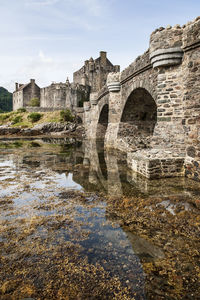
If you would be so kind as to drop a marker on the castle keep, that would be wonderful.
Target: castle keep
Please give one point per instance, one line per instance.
(150, 110)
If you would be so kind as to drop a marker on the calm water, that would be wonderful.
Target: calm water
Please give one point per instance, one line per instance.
(75, 223)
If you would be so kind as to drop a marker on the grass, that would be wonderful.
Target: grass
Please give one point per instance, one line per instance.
(24, 122)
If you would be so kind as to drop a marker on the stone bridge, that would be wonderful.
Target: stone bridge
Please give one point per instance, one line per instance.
(151, 110)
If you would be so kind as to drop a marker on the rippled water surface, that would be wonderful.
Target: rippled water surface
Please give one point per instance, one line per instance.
(76, 223)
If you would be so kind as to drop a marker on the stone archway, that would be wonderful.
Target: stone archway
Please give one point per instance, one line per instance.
(138, 119)
(102, 122)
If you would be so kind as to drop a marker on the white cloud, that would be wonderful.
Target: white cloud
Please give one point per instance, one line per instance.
(44, 58)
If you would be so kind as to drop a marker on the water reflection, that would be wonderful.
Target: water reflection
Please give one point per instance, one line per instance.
(55, 193)
(44, 211)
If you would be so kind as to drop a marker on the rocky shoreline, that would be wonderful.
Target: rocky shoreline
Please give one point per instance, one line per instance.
(45, 129)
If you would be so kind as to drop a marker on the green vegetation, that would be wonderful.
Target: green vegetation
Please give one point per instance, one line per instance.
(35, 102)
(17, 119)
(34, 117)
(24, 121)
(20, 110)
(3, 117)
(66, 116)
(5, 100)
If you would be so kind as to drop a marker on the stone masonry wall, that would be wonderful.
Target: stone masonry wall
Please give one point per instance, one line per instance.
(29, 92)
(191, 84)
(76, 94)
(169, 132)
(166, 58)
(53, 96)
(24, 93)
(17, 99)
(164, 38)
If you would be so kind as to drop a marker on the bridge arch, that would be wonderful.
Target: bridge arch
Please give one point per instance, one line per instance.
(102, 122)
(138, 118)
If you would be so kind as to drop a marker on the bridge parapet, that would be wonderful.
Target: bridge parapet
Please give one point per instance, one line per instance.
(166, 46)
(139, 65)
(165, 38)
(191, 36)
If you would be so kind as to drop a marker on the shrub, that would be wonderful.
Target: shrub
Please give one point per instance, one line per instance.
(4, 117)
(66, 116)
(34, 117)
(35, 102)
(17, 119)
(22, 109)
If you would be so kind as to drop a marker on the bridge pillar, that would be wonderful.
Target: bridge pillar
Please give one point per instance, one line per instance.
(114, 87)
(166, 55)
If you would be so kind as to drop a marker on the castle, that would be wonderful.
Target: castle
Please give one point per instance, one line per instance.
(90, 78)
(150, 110)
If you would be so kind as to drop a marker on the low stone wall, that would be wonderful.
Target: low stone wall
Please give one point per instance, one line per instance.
(41, 109)
(156, 164)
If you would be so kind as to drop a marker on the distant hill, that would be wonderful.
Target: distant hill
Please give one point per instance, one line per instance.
(5, 100)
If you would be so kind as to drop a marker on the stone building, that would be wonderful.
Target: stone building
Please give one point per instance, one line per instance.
(94, 72)
(76, 94)
(53, 96)
(91, 77)
(24, 93)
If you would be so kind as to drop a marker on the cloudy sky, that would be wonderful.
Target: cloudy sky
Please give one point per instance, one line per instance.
(50, 39)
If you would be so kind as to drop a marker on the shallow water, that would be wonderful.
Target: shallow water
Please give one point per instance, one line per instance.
(75, 223)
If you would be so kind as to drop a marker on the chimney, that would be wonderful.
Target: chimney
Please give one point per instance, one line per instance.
(16, 86)
(103, 57)
(117, 68)
(32, 81)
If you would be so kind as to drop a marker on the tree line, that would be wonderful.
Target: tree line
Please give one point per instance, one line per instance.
(5, 100)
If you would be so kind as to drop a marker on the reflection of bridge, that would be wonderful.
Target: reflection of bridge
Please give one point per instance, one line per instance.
(95, 169)
(154, 105)
(108, 172)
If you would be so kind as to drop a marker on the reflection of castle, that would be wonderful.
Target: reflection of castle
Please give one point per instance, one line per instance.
(90, 78)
